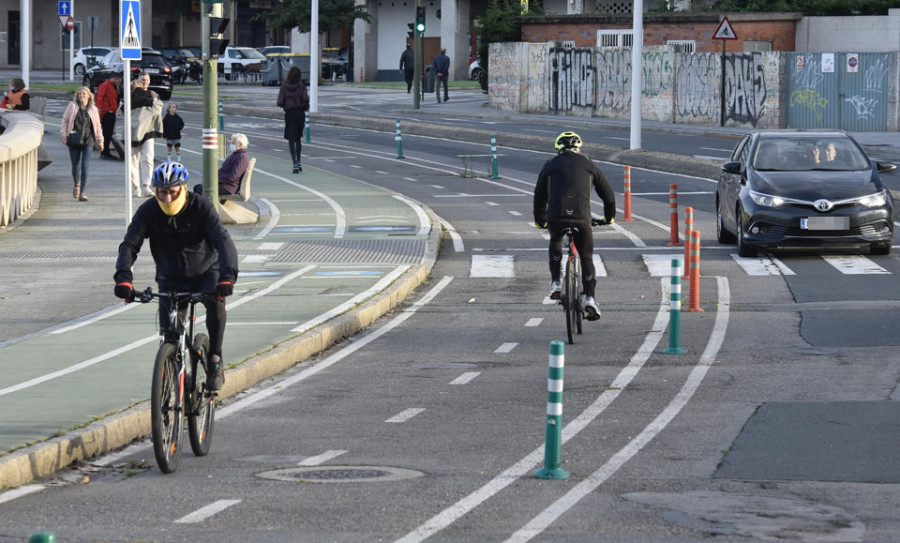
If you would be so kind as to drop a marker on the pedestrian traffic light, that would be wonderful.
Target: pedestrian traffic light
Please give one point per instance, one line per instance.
(217, 44)
(411, 33)
(420, 19)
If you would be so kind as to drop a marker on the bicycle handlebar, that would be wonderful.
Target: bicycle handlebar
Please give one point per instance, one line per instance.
(147, 295)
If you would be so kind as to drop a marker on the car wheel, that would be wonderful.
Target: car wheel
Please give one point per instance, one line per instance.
(880, 249)
(724, 236)
(79, 69)
(744, 250)
(477, 74)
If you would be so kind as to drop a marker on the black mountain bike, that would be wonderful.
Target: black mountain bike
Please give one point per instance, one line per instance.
(179, 388)
(572, 295)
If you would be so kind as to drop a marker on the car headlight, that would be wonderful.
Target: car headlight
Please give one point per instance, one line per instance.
(873, 200)
(766, 200)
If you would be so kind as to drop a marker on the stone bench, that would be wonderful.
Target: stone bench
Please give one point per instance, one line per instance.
(229, 210)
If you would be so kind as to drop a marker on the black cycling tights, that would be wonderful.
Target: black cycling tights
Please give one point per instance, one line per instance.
(215, 310)
(584, 243)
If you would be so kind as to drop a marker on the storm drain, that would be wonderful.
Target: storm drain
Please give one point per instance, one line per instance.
(340, 474)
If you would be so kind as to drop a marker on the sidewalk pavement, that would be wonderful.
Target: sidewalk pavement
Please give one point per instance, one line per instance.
(50, 293)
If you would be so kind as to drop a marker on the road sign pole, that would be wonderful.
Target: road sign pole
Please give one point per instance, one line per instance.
(72, 42)
(127, 144)
(210, 96)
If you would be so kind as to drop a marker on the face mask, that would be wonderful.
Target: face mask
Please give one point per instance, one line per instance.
(174, 206)
(232, 147)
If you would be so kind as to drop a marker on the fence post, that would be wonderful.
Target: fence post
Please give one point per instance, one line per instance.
(399, 139)
(494, 173)
(628, 216)
(673, 215)
(675, 310)
(552, 444)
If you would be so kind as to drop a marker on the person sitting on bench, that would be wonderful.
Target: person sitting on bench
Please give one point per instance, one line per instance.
(232, 170)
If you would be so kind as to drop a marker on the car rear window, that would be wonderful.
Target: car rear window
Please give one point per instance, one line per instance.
(156, 61)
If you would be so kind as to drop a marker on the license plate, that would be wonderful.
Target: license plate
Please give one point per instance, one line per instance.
(825, 223)
(151, 70)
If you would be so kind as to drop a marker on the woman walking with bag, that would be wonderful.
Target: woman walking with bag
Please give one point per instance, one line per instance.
(294, 99)
(80, 129)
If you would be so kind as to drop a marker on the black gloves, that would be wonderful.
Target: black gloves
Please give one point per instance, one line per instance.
(124, 291)
(224, 289)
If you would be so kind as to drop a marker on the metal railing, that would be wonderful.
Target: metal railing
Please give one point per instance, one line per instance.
(20, 141)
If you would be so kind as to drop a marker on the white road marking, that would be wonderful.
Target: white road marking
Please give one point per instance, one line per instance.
(505, 348)
(16, 493)
(274, 217)
(660, 265)
(599, 268)
(424, 222)
(514, 213)
(254, 259)
(527, 464)
(270, 246)
(339, 215)
(405, 415)
(321, 458)
(854, 265)
(535, 321)
(492, 266)
(762, 265)
(454, 235)
(465, 378)
(691, 384)
(205, 512)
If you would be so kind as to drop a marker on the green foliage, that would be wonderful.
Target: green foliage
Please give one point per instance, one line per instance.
(500, 23)
(290, 14)
(809, 7)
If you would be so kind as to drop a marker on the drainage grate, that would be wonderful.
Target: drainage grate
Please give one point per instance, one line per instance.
(340, 474)
(373, 251)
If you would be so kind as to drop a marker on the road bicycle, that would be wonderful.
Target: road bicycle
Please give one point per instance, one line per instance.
(179, 388)
(572, 295)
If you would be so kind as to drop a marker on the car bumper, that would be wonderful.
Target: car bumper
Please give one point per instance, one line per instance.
(771, 228)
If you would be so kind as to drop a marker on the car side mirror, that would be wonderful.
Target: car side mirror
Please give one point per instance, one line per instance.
(884, 167)
(732, 167)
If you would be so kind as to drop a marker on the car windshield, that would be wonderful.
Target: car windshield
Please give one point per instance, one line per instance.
(805, 154)
(252, 53)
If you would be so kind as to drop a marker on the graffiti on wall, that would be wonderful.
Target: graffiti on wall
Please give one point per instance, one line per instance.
(696, 81)
(613, 81)
(807, 77)
(657, 70)
(571, 78)
(866, 105)
(745, 88)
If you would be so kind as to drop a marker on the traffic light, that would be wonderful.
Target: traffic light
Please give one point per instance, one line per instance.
(411, 33)
(420, 19)
(217, 44)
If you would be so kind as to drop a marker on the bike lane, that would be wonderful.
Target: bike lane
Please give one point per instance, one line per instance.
(328, 256)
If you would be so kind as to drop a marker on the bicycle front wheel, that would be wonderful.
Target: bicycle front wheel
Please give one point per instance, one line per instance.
(202, 412)
(166, 415)
(571, 303)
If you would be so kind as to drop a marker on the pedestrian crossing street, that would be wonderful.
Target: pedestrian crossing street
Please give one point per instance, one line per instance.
(660, 265)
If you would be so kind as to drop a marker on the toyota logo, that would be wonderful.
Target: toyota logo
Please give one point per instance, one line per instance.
(823, 205)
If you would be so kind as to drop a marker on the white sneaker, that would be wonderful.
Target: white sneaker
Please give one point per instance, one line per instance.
(591, 311)
(147, 192)
(555, 289)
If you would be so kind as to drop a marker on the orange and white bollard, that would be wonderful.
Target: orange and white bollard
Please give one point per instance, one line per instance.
(673, 213)
(628, 216)
(688, 226)
(694, 295)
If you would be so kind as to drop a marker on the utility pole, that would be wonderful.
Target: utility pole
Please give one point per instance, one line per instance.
(212, 27)
(418, 44)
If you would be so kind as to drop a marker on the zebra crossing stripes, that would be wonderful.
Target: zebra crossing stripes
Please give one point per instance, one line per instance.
(504, 266)
(762, 266)
(854, 265)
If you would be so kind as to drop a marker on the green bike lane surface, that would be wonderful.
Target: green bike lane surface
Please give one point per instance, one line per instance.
(327, 257)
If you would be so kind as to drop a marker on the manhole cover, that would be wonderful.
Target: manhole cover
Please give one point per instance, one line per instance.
(340, 474)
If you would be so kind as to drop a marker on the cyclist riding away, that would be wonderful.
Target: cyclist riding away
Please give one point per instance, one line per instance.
(562, 197)
(192, 250)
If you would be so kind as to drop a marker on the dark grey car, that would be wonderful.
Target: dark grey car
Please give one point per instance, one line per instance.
(152, 61)
(789, 189)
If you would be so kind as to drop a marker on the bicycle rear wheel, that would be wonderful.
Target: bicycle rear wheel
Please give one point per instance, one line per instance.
(571, 300)
(202, 412)
(166, 417)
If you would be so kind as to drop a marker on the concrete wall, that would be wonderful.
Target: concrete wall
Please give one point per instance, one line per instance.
(863, 34)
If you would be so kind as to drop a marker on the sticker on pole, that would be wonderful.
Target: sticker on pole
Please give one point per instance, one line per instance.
(130, 29)
(724, 31)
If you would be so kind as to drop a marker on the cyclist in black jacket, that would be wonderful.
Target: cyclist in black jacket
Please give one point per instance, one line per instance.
(562, 197)
(192, 250)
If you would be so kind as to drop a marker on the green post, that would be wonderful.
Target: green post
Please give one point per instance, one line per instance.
(306, 128)
(552, 443)
(399, 138)
(494, 173)
(42, 537)
(210, 94)
(675, 310)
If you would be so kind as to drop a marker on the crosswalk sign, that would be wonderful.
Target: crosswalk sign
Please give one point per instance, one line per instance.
(130, 29)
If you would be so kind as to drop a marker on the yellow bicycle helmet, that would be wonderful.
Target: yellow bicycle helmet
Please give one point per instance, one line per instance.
(568, 140)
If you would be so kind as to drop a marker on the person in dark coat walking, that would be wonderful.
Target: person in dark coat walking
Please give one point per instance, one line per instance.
(408, 66)
(441, 67)
(293, 98)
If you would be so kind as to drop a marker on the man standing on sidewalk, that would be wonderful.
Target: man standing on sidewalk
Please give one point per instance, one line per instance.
(108, 104)
(408, 66)
(441, 67)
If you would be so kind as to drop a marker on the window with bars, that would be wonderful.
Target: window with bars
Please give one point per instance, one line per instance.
(614, 38)
(750, 46)
(683, 46)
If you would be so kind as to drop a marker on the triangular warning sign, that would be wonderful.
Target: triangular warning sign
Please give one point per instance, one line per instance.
(131, 38)
(724, 31)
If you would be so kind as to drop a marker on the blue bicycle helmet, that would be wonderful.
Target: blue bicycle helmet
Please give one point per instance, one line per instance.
(169, 174)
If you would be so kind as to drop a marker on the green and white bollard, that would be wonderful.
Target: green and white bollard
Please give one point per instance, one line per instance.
(553, 442)
(494, 173)
(306, 127)
(399, 139)
(42, 537)
(221, 117)
(675, 310)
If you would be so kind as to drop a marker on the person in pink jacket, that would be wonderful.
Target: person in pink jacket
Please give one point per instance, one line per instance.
(80, 130)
